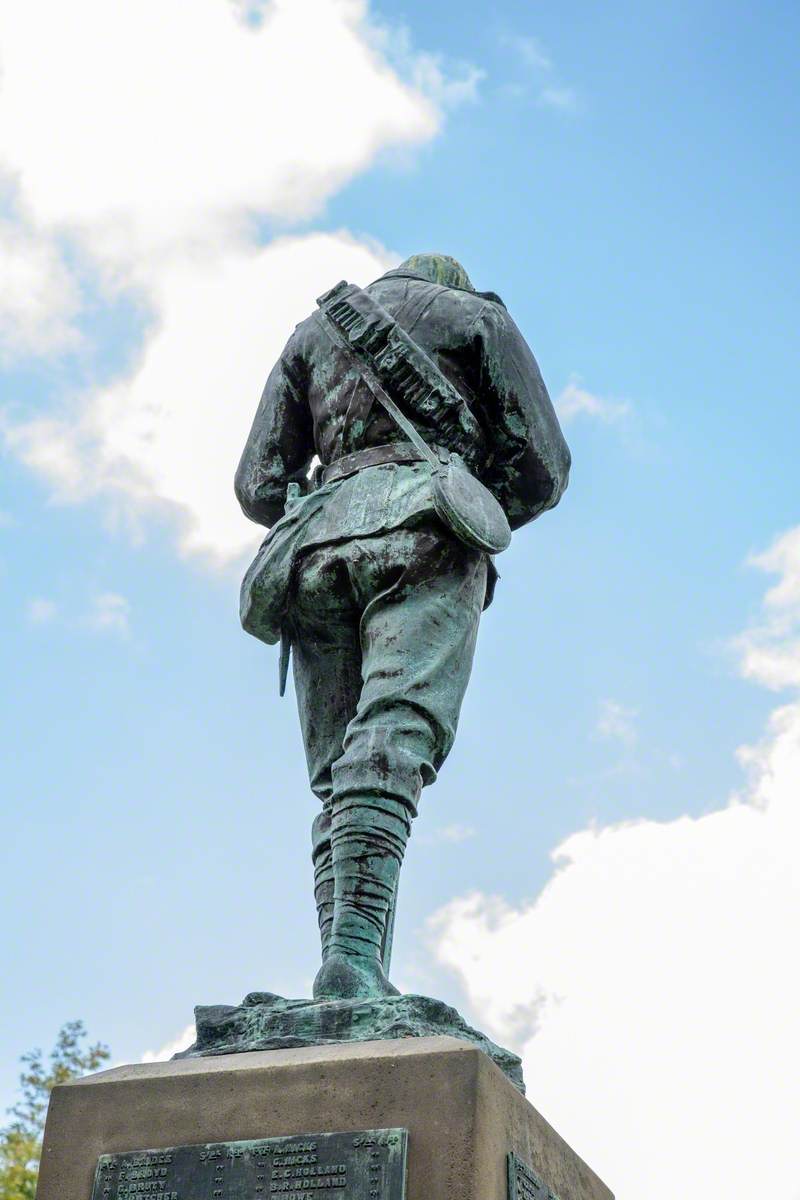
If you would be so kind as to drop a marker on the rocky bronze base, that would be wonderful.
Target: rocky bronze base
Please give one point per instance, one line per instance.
(264, 1021)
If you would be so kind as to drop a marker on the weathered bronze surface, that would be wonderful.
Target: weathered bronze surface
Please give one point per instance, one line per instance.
(264, 1021)
(365, 1165)
(435, 437)
(524, 1183)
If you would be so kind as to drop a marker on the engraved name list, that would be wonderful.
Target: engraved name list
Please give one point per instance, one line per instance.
(364, 1165)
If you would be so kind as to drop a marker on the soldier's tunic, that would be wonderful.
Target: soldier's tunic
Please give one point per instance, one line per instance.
(521, 455)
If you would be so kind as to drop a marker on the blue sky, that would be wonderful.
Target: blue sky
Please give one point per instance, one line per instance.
(625, 176)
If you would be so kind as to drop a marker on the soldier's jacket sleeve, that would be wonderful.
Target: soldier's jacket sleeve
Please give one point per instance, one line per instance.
(281, 442)
(529, 469)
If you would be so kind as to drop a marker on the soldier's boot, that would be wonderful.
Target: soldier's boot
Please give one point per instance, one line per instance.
(368, 839)
(322, 858)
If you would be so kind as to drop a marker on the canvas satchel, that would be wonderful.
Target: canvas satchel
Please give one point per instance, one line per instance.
(264, 595)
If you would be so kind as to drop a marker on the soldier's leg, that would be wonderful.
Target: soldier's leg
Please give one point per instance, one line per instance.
(327, 679)
(422, 594)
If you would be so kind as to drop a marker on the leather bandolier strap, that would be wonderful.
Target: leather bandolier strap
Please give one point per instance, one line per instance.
(404, 369)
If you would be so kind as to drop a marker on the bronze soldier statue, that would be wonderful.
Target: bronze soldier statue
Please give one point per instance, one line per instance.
(435, 437)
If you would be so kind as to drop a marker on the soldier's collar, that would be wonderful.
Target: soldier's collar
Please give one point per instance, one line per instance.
(404, 273)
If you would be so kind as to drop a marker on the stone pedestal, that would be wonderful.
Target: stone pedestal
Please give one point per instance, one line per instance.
(462, 1114)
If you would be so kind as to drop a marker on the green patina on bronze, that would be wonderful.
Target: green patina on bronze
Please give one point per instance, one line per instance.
(264, 1021)
(438, 268)
(375, 584)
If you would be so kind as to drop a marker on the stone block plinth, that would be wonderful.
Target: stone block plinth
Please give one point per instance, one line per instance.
(462, 1114)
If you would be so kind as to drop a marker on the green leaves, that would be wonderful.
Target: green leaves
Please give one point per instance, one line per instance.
(21, 1140)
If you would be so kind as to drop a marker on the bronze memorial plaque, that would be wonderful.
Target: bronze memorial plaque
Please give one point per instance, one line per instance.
(366, 1165)
(525, 1184)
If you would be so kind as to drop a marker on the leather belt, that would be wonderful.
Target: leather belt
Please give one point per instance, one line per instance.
(372, 456)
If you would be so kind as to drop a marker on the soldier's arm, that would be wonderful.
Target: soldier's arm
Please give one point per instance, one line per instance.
(281, 442)
(531, 460)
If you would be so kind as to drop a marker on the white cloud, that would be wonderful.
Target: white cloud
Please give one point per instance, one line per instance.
(446, 82)
(41, 611)
(151, 162)
(39, 300)
(181, 1041)
(652, 986)
(616, 722)
(168, 436)
(191, 117)
(771, 648)
(574, 401)
(448, 88)
(110, 613)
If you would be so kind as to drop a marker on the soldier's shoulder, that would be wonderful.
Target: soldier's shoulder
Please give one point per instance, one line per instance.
(468, 304)
(305, 334)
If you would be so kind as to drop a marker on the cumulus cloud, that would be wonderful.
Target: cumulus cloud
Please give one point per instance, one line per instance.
(771, 648)
(652, 986)
(39, 300)
(575, 401)
(447, 83)
(154, 166)
(166, 437)
(449, 89)
(191, 117)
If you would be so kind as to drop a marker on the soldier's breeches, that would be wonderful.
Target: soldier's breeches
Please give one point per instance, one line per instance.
(384, 633)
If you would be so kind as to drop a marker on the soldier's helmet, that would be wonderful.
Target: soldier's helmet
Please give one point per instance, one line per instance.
(438, 268)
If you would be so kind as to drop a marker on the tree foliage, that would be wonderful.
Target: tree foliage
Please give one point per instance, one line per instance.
(21, 1139)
